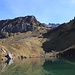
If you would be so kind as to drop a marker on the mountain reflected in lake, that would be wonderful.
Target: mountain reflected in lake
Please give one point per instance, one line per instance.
(24, 67)
(38, 66)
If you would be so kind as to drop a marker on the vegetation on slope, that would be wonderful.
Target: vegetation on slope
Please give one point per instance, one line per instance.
(28, 47)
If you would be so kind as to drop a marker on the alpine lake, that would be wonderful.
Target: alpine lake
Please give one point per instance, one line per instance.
(38, 66)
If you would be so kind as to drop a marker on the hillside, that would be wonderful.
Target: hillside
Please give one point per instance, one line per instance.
(27, 37)
(29, 47)
(22, 45)
(22, 37)
(61, 38)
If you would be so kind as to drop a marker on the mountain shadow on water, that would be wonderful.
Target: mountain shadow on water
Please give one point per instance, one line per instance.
(61, 67)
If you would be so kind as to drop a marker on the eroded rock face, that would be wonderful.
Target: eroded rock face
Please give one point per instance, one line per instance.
(19, 24)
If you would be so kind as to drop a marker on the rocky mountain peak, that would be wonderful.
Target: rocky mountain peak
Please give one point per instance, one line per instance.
(30, 19)
(19, 24)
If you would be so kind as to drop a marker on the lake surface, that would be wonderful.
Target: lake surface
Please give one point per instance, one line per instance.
(38, 66)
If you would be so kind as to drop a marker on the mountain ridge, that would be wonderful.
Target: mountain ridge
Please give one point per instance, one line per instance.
(37, 39)
(61, 38)
(20, 24)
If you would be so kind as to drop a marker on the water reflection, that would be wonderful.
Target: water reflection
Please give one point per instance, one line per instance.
(9, 62)
(60, 66)
(5, 64)
(24, 67)
(38, 66)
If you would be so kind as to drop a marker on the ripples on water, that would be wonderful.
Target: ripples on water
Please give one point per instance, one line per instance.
(38, 66)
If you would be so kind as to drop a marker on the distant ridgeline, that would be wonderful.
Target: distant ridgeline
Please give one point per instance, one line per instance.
(19, 24)
(53, 25)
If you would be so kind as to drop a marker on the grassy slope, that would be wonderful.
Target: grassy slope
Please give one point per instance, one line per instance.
(20, 45)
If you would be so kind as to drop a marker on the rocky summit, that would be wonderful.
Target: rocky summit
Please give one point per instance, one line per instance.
(19, 24)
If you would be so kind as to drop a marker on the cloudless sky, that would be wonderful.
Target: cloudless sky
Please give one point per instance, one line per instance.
(46, 11)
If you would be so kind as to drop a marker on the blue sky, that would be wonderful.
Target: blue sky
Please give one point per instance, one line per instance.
(46, 11)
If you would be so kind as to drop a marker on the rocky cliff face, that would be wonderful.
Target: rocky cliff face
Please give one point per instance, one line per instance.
(19, 24)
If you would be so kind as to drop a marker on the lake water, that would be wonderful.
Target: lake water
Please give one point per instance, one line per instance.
(38, 66)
